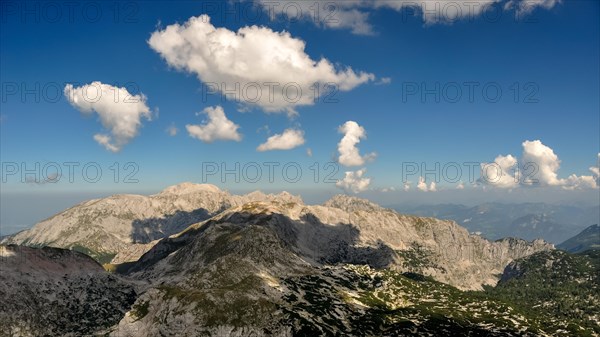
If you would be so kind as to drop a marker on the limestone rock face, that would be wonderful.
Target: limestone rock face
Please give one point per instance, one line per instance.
(354, 231)
(272, 268)
(121, 228)
(344, 229)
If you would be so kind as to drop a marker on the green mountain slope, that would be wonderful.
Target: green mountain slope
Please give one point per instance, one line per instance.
(563, 287)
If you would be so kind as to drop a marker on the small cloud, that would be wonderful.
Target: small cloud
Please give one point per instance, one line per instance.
(432, 187)
(120, 112)
(264, 128)
(289, 139)
(243, 108)
(53, 177)
(460, 186)
(172, 130)
(501, 173)
(217, 127)
(525, 7)
(349, 153)
(422, 186)
(354, 181)
(578, 182)
(538, 166)
(106, 141)
(384, 81)
(309, 152)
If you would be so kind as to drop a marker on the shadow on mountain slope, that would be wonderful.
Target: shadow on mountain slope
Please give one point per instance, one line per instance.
(150, 229)
(307, 237)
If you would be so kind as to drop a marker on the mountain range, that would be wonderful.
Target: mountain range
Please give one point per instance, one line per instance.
(344, 229)
(529, 221)
(270, 265)
(122, 227)
(588, 239)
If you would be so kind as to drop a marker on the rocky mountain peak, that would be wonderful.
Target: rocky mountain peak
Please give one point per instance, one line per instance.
(188, 187)
(284, 197)
(288, 197)
(351, 204)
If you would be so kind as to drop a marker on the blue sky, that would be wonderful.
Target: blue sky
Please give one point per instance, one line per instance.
(551, 54)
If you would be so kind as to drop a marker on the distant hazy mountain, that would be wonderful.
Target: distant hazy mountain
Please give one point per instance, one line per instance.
(529, 221)
(588, 239)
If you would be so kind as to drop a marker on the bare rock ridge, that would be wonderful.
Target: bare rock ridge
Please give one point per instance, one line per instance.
(364, 233)
(344, 229)
(120, 228)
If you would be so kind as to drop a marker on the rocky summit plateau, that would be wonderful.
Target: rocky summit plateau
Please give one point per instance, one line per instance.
(194, 260)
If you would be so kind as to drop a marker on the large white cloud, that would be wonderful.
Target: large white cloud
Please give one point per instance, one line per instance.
(289, 139)
(260, 66)
(120, 112)
(354, 14)
(538, 166)
(544, 161)
(217, 127)
(349, 153)
(354, 181)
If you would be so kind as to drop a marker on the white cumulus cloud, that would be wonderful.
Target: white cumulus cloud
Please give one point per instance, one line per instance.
(422, 186)
(120, 112)
(217, 127)
(538, 166)
(349, 153)
(578, 182)
(354, 181)
(502, 172)
(544, 161)
(260, 66)
(289, 139)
